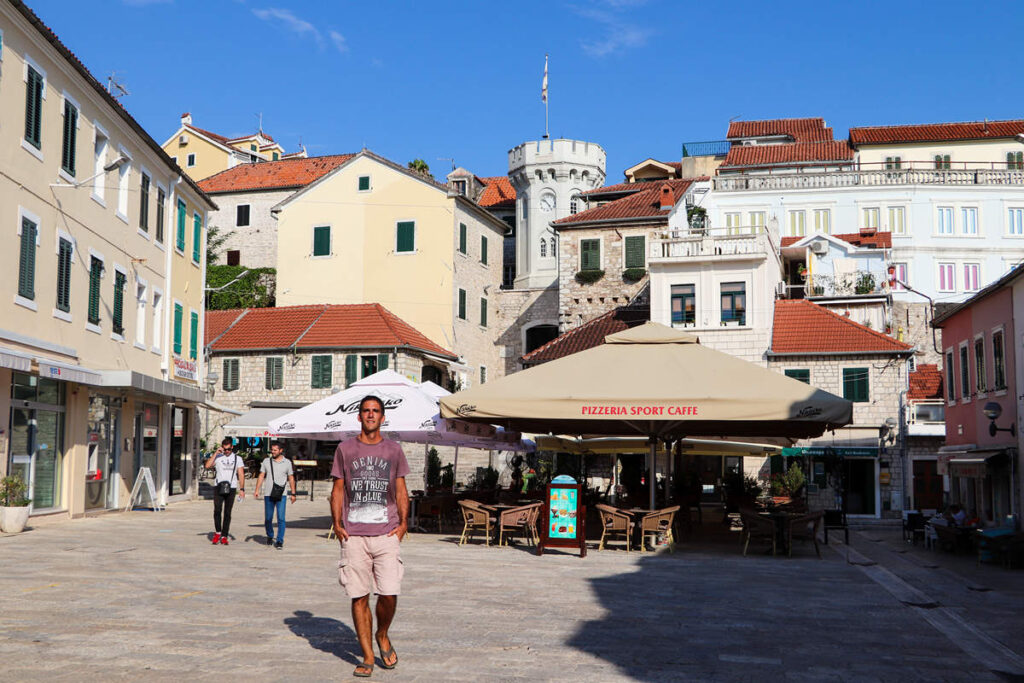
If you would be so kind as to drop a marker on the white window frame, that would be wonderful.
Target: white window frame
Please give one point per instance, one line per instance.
(950, 281)
(330, 241)
(96, 329)
(22, 214)
(140, 312)
(600, 249)
(158, 320)
(939, 211)
(190, 160)
(65, 98)
(827, 214)
(964, 212)
(202, 231)
(791, 226)
(1010, 222)
(37, 153)
(118, 268)
(720, 280)
(143, 171)
(57, 313)
(248, 216)
(170, 327)
(733, 223)
(415, 237)
(124, 177)
(866, 213)
(99, 161)
(161, 244)
(369, 179)
(965, 387)
(977, 275)
(754, 223)
(905, 267)
(891, 212)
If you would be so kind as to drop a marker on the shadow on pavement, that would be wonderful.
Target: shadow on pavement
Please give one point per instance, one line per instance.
(327, 635)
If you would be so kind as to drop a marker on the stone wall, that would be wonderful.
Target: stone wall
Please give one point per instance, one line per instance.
(911, 324)
(257, 242)
(520, 309)
(748, 344)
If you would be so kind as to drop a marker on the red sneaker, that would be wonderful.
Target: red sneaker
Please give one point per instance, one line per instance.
(216, 539)
(223, 540)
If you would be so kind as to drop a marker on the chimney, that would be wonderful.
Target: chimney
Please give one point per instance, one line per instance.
(668, 199)
(186, 119)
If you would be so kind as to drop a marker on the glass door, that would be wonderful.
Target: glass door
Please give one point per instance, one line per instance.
(179, 452)
(21, 445)
(101, 467)
(37, 445)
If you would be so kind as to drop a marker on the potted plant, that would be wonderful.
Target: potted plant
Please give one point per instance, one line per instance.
(14, 506)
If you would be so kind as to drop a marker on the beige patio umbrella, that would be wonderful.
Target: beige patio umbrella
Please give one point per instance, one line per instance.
(654, 381)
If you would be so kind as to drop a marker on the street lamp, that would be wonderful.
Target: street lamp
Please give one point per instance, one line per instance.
(992, 411)
(887, 432)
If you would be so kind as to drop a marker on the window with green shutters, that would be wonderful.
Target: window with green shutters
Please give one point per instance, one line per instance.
(855, 384)
(144, 203)
(382, 361)
(321, 372)
(322, 240)
(161, 200)
(193, 335)
(179, 315)
(634, 248)
(462, 304)
(800, 374)
(274, 374)
(230, 374)
(27, 260)
(405, 236)
(67, 156)
(463, 239)
(118, 314)
(483, 312)
(182, 217)
(95, 279)
(483, 249)
(34, 108)
(197, 236)
(351, 367)
(364, 183)
(64, 251)
(590, 254)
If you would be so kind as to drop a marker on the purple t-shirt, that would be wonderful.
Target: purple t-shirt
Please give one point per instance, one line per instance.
(369, 472)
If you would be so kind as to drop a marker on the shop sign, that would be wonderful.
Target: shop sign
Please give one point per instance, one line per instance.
(973, 470)
(830, 452)
(942, 463)
(185, 369)
(149, 432)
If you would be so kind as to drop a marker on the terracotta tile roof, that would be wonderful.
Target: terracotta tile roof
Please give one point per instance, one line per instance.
(317, 326)
(804, 327)
(936, 132)
(619, 188)
(801, 130)
(366, 325)
(925, 383)
(793, 153)
(879, 240)
(498, 192)
(643, 204)
(589, 334)
(268, 175)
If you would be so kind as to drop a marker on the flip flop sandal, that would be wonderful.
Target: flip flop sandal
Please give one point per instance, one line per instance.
(385, 654)
(363, 674)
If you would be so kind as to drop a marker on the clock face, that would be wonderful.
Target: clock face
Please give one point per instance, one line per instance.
(547, 203)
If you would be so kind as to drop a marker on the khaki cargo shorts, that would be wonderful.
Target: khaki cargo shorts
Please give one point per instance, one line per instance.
(371, 564)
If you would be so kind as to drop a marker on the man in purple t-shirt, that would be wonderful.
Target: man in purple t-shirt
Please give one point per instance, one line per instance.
(370, 509)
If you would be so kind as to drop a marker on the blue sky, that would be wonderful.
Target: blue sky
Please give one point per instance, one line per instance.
(462, 80)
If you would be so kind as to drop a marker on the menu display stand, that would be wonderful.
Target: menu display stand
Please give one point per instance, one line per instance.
(564, 518)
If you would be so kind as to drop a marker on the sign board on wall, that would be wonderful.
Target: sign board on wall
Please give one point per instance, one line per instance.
(185, 369)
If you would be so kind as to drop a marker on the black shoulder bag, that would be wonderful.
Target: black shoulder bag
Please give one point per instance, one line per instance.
(276, 490)
(224, 487)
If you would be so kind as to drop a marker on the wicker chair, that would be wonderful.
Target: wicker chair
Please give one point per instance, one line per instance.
(614, 521)
(513, 519)
(804, 528)
(759, 528)
(475, 518)
(659, 522)
(531, 521)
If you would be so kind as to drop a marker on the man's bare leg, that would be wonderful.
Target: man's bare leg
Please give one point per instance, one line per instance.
(386, 605)
(363, 620)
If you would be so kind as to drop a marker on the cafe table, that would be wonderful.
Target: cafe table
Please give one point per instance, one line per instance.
(780, 519)
(639, 514)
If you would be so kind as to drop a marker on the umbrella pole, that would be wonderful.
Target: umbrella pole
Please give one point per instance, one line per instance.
(455, 468)
(650, 471)
(426, 465)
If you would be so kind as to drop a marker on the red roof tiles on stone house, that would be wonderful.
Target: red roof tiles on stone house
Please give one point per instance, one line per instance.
(878, 240)
(268, 328)
(790, 154)
(643, 204)
(619, 188)
(925, 383)
(936, 132)
(589, 334)
(801, 130)
(366, 325)
(267, 175)
(804, 327)
(217, 322)
(498, 192)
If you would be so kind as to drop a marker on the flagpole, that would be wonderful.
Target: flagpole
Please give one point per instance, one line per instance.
(544, 96)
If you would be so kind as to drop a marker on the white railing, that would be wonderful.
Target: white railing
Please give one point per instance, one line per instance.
(739, 241)
(860, 282)
(927, 412)
(789, 180)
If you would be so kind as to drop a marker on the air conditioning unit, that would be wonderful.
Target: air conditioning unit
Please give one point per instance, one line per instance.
(819, 247)
(182, 139)
(781, 290)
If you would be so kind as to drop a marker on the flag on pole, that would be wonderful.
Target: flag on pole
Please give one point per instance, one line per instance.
(544, 85)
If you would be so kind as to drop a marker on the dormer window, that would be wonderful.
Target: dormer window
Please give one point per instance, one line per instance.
(460, 186)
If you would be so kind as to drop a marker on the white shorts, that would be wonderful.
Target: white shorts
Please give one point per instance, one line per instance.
(371, 564)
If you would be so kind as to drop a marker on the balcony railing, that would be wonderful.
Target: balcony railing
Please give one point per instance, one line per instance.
(697, 243)
(928, 412)
(860, 282)
(707, 148)
(910, 173)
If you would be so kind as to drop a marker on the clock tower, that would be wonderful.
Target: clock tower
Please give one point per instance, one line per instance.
(548, 176)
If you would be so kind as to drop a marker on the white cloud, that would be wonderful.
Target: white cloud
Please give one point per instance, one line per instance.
(338, 40)
(290, 22)
(614, 34)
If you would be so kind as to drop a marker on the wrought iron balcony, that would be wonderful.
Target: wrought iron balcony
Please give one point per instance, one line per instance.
(909, 173)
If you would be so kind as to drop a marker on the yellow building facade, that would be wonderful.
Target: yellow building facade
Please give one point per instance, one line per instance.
(203, 153)
(101, 302)
(372, 231)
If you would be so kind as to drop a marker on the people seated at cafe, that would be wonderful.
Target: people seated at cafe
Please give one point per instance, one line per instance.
(957, 515)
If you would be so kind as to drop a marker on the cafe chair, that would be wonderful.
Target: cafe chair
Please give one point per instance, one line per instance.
(756, 527)
(514, 519)
(531, 522)
(659, 522)
(913, 526)
(836, 520)
(614, 522)
(475, 518)
(804, 528)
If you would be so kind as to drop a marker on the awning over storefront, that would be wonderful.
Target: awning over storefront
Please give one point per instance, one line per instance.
(971, 464)
(255, 421)
(831, 452)
(15, 361)
(68, 372)
(153, 385)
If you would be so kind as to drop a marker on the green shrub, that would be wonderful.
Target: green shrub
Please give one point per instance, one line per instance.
(433, 468)
(589, 276)
(633, 274)
(12, 492)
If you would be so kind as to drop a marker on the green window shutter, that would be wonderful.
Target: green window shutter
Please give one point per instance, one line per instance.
(382, 361)
(314, 372)
(634, 247)
(275, 374)
(364, 183)
(180, 241)
(161, 199)
(118, 317)
(268, 377)
(590, 254)
(178, 315)
(64, 275)
(34, 108)
(193, 336)
(483, 312)
(322, 240)
(144, 204)
(95, 278)
(351, 367)
(27, 260)
(230, 370)
(855, 384)
(463, 238)
(326, 372)
(406, 236)
(483, 249)
(67, 157)
(320, 376)
(197, 236)
(800, 374)
(462, 304)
